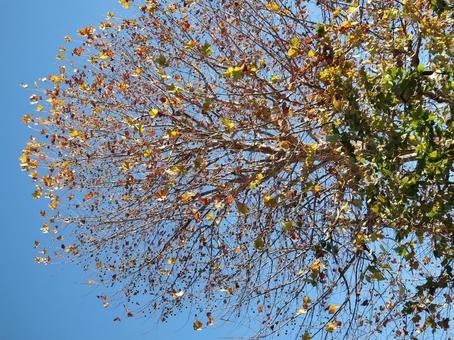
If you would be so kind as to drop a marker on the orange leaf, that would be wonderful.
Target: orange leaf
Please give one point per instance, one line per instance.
(89, 196)
(197, 325)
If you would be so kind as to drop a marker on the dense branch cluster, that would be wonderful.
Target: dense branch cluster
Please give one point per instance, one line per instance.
(290, 161)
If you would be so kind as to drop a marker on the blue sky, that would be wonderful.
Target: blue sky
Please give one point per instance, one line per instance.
(53, 302)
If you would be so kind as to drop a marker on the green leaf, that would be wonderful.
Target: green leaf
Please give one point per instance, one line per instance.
(206, 49)
(162, 61)
(258, 243)
(287, 226)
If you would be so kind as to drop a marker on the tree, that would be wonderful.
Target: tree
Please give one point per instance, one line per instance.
(288, 161)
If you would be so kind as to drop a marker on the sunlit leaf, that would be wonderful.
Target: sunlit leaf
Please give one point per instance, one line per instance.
(197, 325)
(332, 308)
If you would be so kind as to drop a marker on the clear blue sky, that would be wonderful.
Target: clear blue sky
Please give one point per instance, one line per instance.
(53, 302)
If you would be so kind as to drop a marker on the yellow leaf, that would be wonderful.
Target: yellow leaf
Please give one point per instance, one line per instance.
(353, 8)
(175, 170)
(153, 113)
(274, 78)
(337, 104)
(187, 196)
(311, 54)
(171, 261)
(272, 6)
(124, 3)
(294, 42)
(285, 145)
(105, 54)
(227, 123)
(269, 201)
(332, 309)
(316, 189)
(173, 134)
(291, 52)
(190, 44)
(209, 216)
(197, 325)
(125, 166)
(315, 266)
(147, 153)
(39, 108)
(74, 133)
(330, 327)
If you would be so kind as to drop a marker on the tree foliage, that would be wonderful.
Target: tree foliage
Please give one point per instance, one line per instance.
(286, 161)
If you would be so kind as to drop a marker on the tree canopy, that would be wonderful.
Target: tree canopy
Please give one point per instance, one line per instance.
(287, 162)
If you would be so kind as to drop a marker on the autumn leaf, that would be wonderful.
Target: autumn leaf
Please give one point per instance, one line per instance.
(287, 226)
(210, 320)
(89, 196)
(292, 52)
(153, 113)
(306, 336)
(248, 150)
(227, 123)
(175, 294)
(173, 134)
(242, 208)
(259, 243)
(206, 49)
(129, 314)
(330, 327)
(272, 6)
(86, 31)
(125, 3)
(209, 216)
(197, 325)
(332, 308)
(187, 196)
(229, 200)
(269, 201)
(316, 190)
